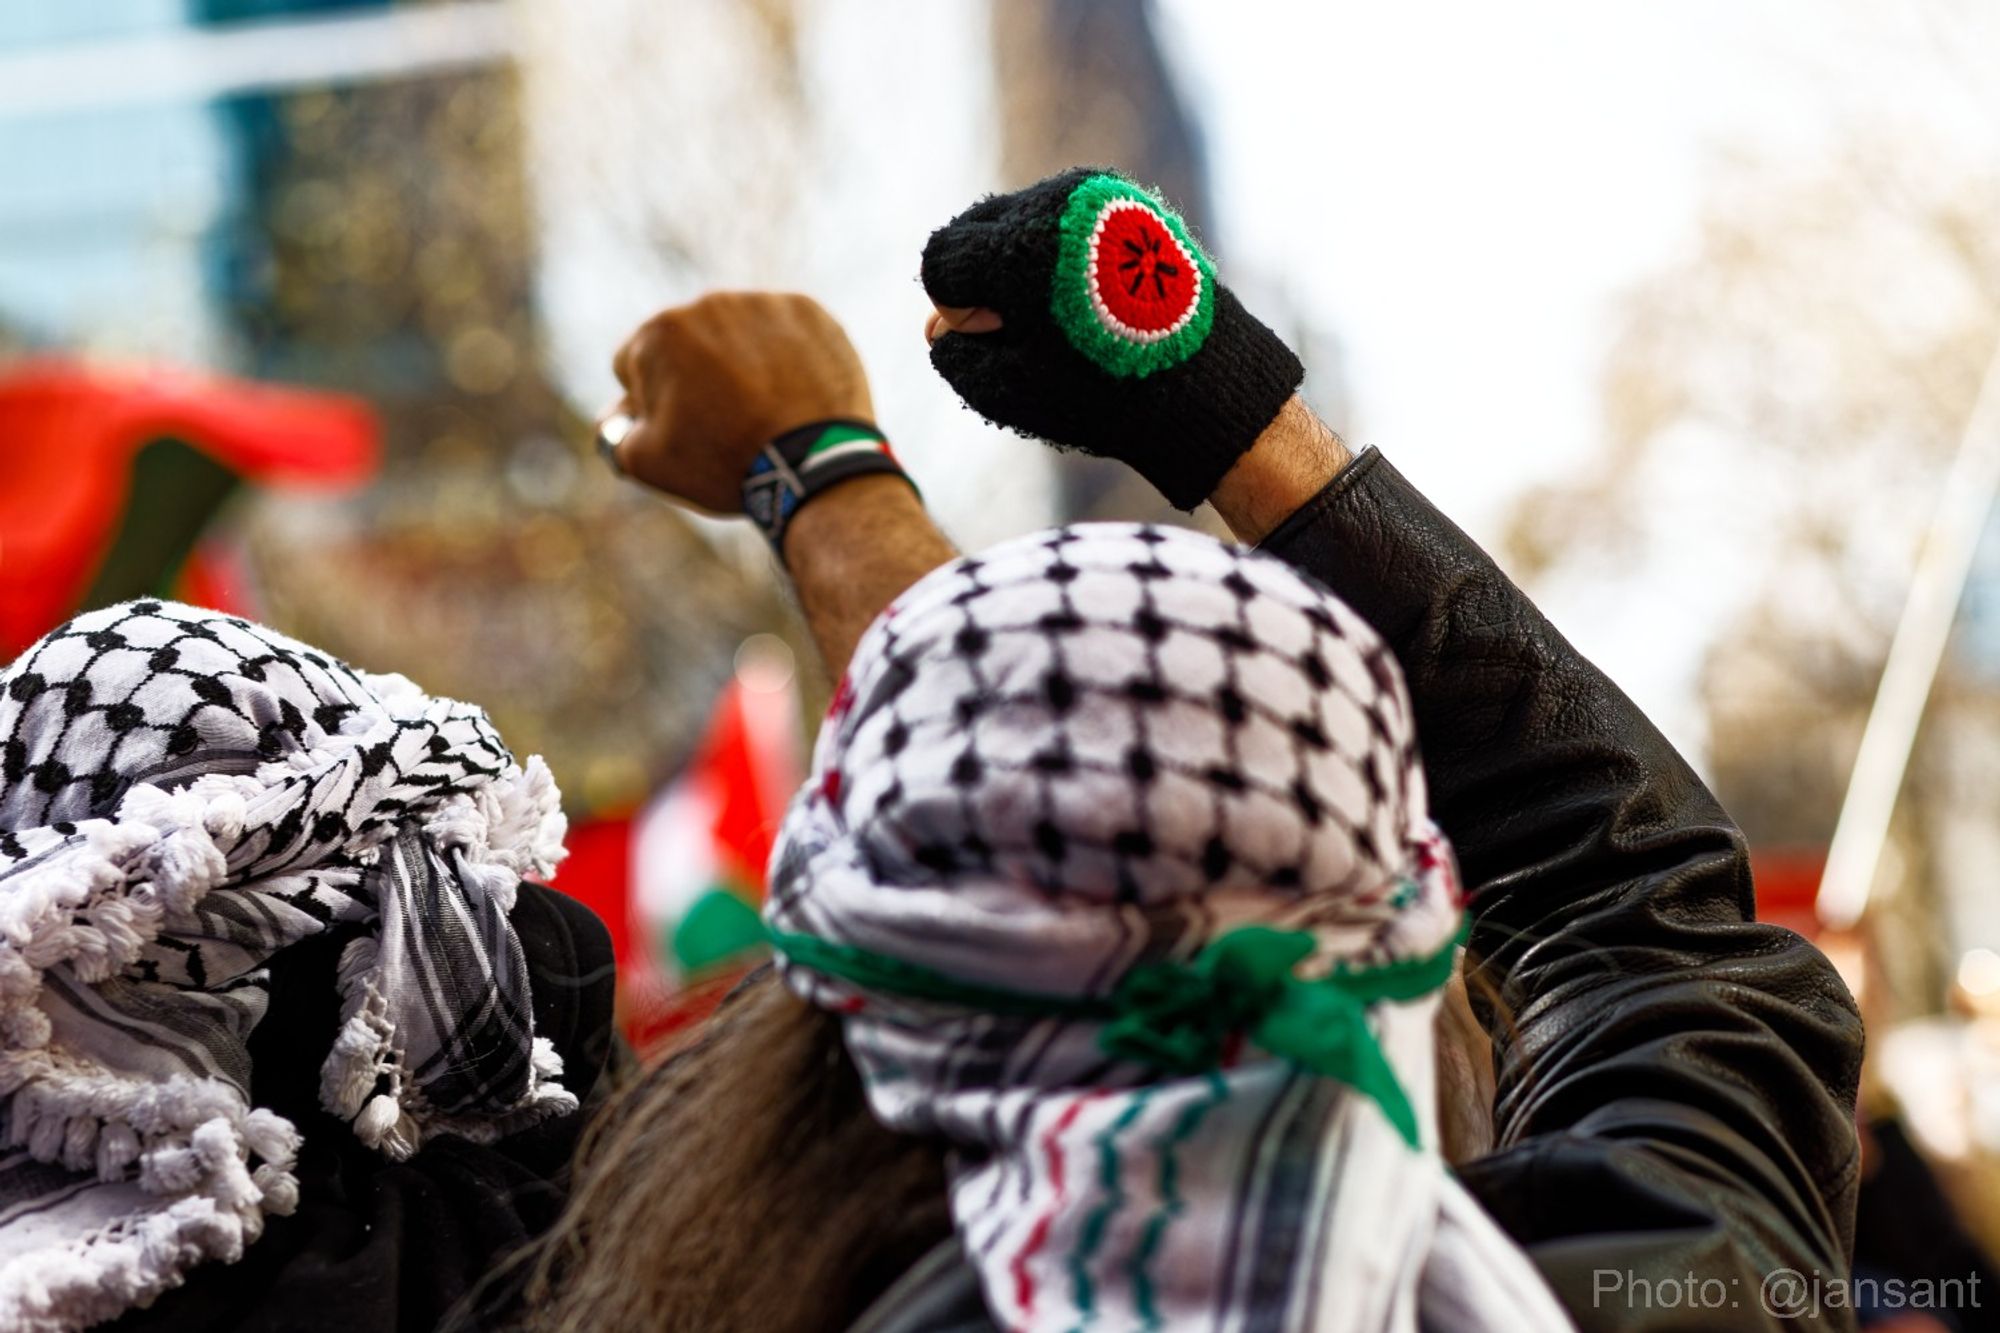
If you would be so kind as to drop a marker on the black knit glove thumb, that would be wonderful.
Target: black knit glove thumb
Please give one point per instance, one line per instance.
(1116, 339)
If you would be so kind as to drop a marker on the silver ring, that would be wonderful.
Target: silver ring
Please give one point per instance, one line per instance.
(611, 433)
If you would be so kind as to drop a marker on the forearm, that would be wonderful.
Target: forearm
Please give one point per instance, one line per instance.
(852, 551)
(1645, 1019)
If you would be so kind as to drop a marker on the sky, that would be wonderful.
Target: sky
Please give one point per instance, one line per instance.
(1462, 191)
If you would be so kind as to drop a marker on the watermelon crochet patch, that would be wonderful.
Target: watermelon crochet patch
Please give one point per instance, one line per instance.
(1133, 292)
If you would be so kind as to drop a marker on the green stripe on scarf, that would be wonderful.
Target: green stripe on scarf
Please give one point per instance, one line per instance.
(1100, 1217)
(1170, 1199)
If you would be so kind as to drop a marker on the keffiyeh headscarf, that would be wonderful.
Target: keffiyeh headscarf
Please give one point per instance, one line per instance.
(182, 795)
(1117, 863)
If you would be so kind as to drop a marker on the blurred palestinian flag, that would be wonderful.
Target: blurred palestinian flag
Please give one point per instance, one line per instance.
(108, 479)
(681, 881)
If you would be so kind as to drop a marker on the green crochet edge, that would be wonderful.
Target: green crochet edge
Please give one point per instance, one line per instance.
(1069, 297)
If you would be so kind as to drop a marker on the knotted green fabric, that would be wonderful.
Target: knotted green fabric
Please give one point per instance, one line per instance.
(1178, 1017)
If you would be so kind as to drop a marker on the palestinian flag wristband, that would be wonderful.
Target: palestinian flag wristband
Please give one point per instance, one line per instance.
(807, 462)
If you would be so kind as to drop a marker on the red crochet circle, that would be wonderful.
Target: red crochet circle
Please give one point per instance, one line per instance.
(1141, 275)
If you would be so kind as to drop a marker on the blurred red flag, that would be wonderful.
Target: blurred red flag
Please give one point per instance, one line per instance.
(680, 882)
(1787, 880)
(69, 435)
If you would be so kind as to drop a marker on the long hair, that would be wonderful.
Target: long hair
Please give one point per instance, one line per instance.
(743, 1183)
(739, 1184)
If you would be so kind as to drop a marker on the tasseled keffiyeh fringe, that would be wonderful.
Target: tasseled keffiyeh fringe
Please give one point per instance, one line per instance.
(519, 828)
(285, 793)
(91, 905)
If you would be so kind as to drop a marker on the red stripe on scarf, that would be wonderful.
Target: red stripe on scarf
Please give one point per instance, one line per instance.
(1024, 1284)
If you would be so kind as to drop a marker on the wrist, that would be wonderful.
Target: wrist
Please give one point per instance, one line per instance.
(852, 552)
(1292, 461)
(843, 517)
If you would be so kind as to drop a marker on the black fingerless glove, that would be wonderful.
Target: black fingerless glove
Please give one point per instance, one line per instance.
(1116, 338)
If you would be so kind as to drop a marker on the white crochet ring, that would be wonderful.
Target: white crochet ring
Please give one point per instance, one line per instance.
(1094, 277)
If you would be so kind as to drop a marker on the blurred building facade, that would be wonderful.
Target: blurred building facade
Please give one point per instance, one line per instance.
(104, 209)
(371, 231)
(456, 210)
(802, 144)
(1090, 82)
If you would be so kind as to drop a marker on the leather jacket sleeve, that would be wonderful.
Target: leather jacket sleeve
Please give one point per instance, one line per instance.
(1675, 1080)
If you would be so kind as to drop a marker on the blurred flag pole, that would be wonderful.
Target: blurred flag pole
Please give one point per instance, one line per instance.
(1943, 566)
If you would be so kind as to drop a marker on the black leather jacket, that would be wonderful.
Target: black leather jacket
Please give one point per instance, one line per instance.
(1675, 1080)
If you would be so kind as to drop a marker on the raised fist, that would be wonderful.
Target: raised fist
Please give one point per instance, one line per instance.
(708, 385)
(1114, 337)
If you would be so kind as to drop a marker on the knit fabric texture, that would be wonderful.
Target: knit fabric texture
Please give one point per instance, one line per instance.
(1075, 758)
(1116, 338)
(182, 795)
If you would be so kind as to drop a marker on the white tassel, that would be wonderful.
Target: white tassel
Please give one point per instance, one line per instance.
(169, 1169)
(271, 1137)
(546, 1058)
(117, 1148)
(387, 1127)
(280, 1190)
(24, 1029)
(363, 1051)
(79, 1148)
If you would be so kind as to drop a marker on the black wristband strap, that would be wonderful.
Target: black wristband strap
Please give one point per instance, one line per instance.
(808, 461)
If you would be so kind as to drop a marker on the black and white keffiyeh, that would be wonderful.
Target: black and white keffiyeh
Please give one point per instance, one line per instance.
(1101, 749)
(182, 795)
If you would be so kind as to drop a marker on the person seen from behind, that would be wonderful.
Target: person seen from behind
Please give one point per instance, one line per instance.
(1112, 923)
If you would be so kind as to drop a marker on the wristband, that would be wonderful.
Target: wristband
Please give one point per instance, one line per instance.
(809, 461)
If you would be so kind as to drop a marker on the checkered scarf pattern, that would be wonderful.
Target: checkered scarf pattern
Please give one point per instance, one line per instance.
(182, 795)
(1104, 746)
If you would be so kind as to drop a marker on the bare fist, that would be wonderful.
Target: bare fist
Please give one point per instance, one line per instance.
(711, 383)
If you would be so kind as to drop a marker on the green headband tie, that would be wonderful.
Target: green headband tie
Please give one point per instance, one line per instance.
(1178, 1017)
